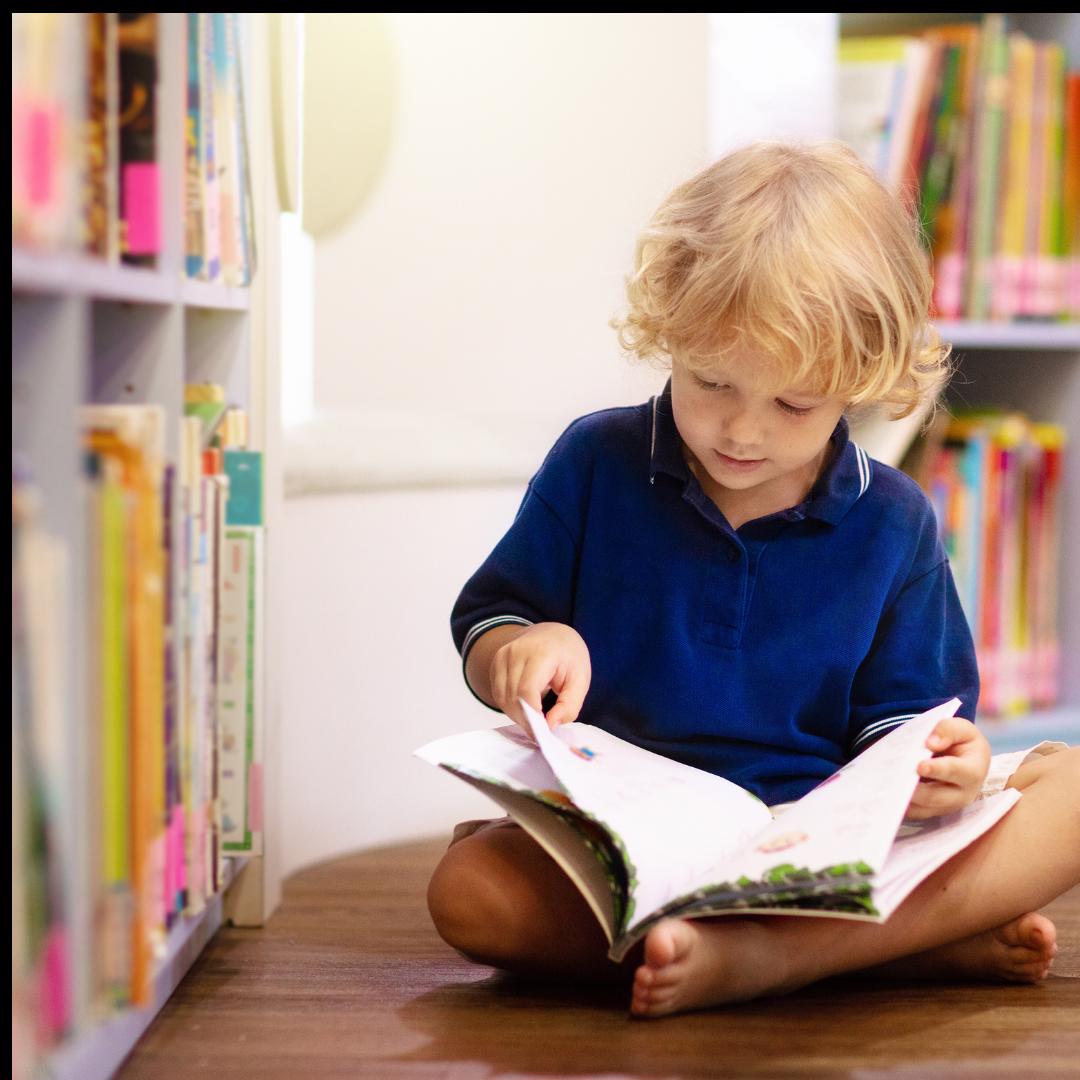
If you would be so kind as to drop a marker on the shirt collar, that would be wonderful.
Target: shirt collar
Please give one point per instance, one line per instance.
(843, 482)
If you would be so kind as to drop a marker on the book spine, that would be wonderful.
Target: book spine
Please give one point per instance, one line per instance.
(95, 207)
(1005, 299)
(1049, 279)
(1071, 195)
(140, 195)
(990, 120)
(194, 229)
(210, 201)
(231, 209)
(247, 215)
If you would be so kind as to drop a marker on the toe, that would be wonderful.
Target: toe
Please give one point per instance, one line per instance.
(1033, 931)
(661, 946)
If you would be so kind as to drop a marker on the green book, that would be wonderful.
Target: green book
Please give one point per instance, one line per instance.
(244, 470)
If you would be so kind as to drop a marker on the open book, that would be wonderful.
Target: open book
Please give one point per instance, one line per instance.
(644, 837)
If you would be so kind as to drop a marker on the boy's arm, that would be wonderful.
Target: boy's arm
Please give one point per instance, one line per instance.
(528, 579)
(923, 654)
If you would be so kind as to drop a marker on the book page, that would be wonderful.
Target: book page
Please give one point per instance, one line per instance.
(674, 824)
(923, 846)
(852, 817)
(505, 755)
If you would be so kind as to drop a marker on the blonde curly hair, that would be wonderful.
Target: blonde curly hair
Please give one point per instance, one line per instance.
(798, 252)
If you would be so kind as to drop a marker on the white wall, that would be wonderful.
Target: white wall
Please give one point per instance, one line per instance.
(481, 274)
(475, 284)
(371, 671)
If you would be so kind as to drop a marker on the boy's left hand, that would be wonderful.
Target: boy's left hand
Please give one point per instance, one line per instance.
(952, 778)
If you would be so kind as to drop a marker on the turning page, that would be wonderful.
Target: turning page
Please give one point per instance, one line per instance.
(675, 825)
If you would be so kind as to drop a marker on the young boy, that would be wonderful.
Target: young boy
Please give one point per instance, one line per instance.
(722, 576)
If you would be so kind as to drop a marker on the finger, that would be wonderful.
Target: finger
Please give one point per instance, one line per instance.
(951, 731)
(534, 681)
(919, 812)
(937, 798)
(512, 688)
(947, 770)
(571, 696)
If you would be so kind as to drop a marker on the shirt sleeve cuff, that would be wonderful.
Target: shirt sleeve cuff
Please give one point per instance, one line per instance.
(474, 635)
(872, 732)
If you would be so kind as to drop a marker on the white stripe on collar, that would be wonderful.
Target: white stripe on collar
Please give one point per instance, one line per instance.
(863, 461)
(652, 445)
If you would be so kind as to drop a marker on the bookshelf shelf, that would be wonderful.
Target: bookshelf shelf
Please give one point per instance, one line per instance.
(76, 275)
(101, 1052)
(997, 335)
(89, 332)
(1017, 732)
(200, 294)
(1031, 366)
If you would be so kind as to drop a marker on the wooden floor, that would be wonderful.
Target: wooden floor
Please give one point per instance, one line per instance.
(350, 980)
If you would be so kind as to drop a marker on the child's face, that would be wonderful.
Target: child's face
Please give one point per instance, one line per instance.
(752, 436)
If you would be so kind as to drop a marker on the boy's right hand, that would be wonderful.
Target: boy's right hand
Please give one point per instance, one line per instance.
(546, 656)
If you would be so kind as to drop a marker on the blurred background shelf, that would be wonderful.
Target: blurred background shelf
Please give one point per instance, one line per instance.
(1015, 733)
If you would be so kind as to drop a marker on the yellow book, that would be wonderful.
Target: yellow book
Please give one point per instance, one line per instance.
(1014, 203)
(133, 436)
(116, 910)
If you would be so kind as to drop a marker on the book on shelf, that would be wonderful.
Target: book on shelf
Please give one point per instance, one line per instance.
(241, 569)
(136, 119)
(168, 755)
(86, 171)
(220, 232)
(979, 128)
(44, 874)
(643, 837)
(995, 481)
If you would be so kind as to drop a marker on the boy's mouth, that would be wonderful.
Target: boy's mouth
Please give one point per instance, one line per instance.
(739, 464)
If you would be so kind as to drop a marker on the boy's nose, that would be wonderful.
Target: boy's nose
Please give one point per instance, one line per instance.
(743, 431)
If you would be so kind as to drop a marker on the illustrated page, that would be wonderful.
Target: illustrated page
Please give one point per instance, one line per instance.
(845, 827)
(674, 824)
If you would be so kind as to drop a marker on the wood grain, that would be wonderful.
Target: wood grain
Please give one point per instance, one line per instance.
(349, 979)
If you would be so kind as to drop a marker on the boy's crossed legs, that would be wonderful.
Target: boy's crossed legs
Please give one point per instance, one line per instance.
(501, 900)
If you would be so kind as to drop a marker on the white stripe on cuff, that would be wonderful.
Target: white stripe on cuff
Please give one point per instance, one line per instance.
(488, 624)
(879, 726)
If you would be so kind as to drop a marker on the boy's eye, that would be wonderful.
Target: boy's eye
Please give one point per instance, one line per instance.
(709, 385)
(795, 410)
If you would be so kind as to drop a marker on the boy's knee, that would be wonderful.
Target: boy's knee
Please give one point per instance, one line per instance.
(465, 903)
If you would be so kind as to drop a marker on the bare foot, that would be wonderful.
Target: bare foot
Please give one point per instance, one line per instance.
(1020, 951)
(695, 964)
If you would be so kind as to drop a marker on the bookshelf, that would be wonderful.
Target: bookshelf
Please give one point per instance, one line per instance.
(85, 331)
(1030, 366)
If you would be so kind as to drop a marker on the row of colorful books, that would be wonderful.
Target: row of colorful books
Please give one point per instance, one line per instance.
(995, 479)
(980, 128)
(85, 145)
(122, 813)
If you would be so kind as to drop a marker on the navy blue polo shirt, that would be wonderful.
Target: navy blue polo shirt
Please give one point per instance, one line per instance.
(770, 654)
